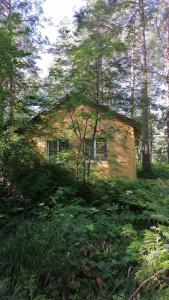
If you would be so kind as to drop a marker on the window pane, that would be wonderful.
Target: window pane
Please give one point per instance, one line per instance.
(52, 148)
(63, 145)
(101, 149)
(56, 147)
(88, 149)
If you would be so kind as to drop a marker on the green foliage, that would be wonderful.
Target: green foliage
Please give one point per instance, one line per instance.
(94, 50)
(96, 245)
(78, 252)
(59, 239)
(27, 178)
(158, 171)
(13, 61)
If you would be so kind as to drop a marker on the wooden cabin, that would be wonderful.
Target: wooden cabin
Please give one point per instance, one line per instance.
(65, 129)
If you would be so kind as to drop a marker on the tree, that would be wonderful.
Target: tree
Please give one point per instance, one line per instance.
(144, 95)
(86, 68)
(18, 51)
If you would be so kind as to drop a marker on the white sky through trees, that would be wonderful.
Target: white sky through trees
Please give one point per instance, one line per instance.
(56, 11)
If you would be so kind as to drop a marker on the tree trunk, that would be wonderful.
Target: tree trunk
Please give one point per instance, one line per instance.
(146, 161)
(133, 81)
(167, 82)
(98, 100)
(11, 99)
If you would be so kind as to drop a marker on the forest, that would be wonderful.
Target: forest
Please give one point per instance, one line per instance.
(65, 233)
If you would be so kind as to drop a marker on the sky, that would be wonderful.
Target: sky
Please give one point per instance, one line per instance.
(56, 11)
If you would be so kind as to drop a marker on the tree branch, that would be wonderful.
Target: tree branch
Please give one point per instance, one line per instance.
(144, 282)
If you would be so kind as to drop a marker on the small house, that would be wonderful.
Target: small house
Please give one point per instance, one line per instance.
(70, 133)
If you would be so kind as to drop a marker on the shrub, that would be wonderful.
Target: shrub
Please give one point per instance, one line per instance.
(74, 249)
(158, 171)
(78, 253)
(30, 174)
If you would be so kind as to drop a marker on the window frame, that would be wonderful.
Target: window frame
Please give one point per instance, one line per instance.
(58, 151)
(94, 157)
(106, 153)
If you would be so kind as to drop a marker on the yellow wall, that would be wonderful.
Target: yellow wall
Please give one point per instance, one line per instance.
(120, 136)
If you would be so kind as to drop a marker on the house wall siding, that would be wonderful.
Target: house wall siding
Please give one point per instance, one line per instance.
(120, 138)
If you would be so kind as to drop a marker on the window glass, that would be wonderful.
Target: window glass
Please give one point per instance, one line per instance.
(63, 145)
(56, 147)
(88, 149)
(52, 148)
(99, 149)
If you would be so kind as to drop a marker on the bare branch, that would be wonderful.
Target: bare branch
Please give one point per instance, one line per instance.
(144, 282)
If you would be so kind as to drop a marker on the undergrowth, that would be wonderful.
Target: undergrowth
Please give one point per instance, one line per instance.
(112, 245)
(61, 240)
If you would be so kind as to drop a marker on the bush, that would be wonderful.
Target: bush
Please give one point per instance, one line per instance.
(63, 240)
(27, 180)
(78, 253)
(78, 250)
(30, 174)
(158, 171)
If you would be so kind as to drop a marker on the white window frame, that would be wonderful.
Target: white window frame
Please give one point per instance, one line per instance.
(94, 157)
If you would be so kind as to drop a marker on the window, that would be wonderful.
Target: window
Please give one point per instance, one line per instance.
(88, 149)
(99, 149)
(56, 147)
